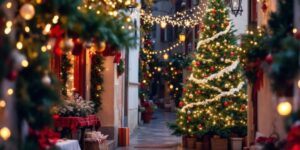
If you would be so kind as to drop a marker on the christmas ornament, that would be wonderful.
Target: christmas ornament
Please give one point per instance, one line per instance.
(117, 58)
(12, 75)
(199, 126)
(198, 92)
(46, 80)
(181, 104)
(213, 26)
(189, 112)
(102, 46)
(189, 118)
(27, 11)
(198, 63)
(231, 54)
(212, 69)
(99, 87)
(269, 58)
(57, 33)
(214, 11)
(88, 44)
(191, 96)
(67, 45)
(226, 103)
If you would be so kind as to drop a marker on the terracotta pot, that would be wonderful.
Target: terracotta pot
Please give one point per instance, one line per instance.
(191, 142)
(199, 146)
(218, 143)
(184, 141)
(147, 117)
(236, 143)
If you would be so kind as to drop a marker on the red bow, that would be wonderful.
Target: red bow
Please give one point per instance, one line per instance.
(117, 58)
(57, 33)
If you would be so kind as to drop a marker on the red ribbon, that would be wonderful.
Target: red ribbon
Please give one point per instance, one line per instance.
(117, 58)
(57, 33)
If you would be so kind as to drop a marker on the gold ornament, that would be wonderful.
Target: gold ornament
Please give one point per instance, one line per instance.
(67, 44)
(102, 46)
(27, 11)
(191, 96)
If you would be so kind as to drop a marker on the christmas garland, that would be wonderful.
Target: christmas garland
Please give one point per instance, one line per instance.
(97, 80)
(66, 65)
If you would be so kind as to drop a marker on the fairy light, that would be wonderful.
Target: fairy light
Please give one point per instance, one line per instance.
(55, 19)
(5, 133)
(24, 63)
(2, 103)
(27, 29)
(8, 5)
(155, 52)
(10, 91)
(188, 18)
(19, 45)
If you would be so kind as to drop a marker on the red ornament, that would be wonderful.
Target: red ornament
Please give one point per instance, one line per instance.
(189, 118)
(198, 92)
(212, 68)
(200, 126)
(57, 33)
(198, 63)
(264, 6)
(78, 47)
(181, 104)
(269, 58)
(55, 116)
(226, 23)
(213, 26)
(189, 68)
(231, 54)
(243, 107)
(184, 90)
(225, 103)
(12, 76)
(214, 11)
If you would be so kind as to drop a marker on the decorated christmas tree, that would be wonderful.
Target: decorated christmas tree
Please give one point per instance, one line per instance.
(214, 100)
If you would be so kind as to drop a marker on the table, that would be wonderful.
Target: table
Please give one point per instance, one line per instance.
(75, 123)
(68, 145)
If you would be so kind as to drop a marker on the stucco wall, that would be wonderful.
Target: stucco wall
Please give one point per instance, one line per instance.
(240, 22)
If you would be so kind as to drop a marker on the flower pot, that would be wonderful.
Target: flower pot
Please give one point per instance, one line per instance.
(199, 146)
(236, 143)
(191, 142)
(147, 117)
(184, 141)
(218, 143)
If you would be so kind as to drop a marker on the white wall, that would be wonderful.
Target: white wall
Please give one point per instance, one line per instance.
(241, 21)
(133, 78)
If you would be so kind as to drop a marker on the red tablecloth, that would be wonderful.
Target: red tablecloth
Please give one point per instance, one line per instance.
(74, 123)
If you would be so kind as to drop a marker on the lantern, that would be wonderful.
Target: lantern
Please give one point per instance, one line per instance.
(182, 37)
(236, 7)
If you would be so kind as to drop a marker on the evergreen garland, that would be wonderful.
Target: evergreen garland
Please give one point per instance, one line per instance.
(65, 71)
(97, 80)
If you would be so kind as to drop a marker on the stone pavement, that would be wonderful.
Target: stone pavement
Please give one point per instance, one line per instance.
(155, 135)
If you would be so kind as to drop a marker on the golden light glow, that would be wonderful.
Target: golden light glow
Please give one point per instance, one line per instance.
(163, 25)
(295, 30)
(284, 108)
(182, 37)
(25, 63)
(166, 56)
(5, 133)
(19, 45)
(10, 91)
(8, 5)
(2, 103)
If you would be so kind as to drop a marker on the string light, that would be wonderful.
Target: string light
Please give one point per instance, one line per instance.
(155, 52)
(10, 91)
(188, 18)
(19, 45)
(5, 133)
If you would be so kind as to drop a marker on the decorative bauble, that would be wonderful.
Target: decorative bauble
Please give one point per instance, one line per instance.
(269, 58)
(212, 69)
(198, 92)
(222, 59)
(27, 11)
(181, 104)
(189, 68)
(243, 107)
(226, 103)
(198, 63)
(188, 112)
(200, 126)
(102, 46)
(78, 47)
(12, 75)
(214, 11)
(184, 90)
(46, 80)
(213, 26)
(67, 44)
(231, 54)
(191, 96)
(189, 118)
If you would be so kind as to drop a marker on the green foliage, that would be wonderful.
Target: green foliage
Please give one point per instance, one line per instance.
(121, 67)
(97, 80)
(65, 71)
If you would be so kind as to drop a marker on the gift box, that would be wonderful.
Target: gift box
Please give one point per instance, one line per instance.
(95, 140)
(123, 136)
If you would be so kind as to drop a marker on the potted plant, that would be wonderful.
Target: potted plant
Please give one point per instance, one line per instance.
(236, 140)
(148, 113)
(220, 139)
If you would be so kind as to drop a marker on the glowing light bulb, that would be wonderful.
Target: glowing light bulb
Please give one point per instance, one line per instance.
(166, 56)
(284, 108)
(24, 63)
(5, 133)
(19, 45)
(10, 91)
(2, 103)
(163, 24)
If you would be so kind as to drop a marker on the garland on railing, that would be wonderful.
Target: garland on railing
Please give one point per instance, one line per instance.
(65, 71)
(97, 80)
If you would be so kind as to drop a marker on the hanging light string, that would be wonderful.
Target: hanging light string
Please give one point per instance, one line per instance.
(188, 18)
(155, 52)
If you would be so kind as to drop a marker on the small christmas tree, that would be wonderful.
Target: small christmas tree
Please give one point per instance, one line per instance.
(214, 100)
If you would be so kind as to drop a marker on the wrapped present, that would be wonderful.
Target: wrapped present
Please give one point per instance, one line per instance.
(95, 140)
(123, 136)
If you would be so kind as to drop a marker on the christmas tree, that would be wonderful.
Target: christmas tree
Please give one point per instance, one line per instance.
(214, 100)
